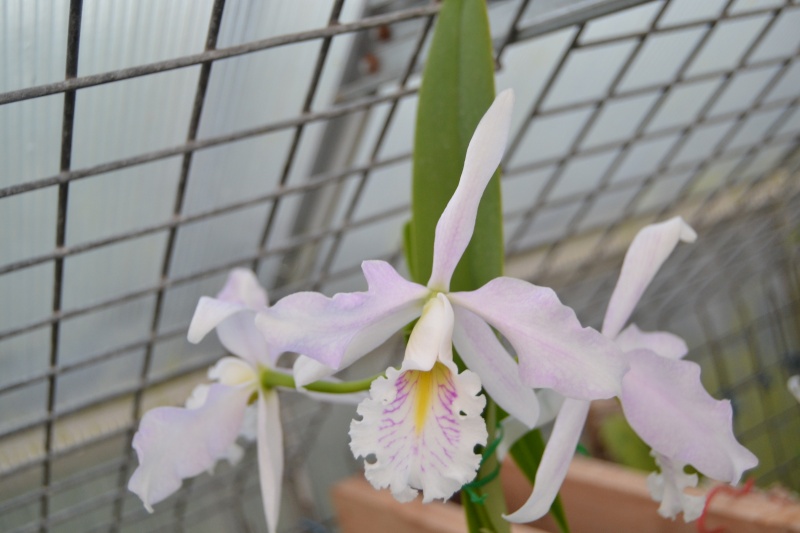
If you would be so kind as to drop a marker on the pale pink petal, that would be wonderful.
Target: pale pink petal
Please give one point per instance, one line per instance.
(648, 251)
(455, 227)
(422, 428)
(270, 456)
(431, 339)
(554, 351)
(482, 352)
(175, 443)
(666, 404)
(555, 461)
(668, 487)
(663, 343)
(232, 313)
(347, 326)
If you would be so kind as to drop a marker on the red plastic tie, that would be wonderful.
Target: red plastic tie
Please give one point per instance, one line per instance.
(701, 522)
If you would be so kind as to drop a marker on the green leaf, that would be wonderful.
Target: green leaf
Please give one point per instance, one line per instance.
(457, 89)
(623, 445)
(527, 453)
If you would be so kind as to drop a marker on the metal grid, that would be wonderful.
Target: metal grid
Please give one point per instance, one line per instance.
(563, 228)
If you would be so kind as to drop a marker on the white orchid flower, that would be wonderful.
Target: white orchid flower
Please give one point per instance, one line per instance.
(175, 443)
(662, 398)
(423, 420)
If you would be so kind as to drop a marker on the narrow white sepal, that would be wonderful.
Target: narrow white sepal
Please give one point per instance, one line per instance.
(270, 456)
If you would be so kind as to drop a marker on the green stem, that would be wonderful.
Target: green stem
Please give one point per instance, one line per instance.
(271, 379)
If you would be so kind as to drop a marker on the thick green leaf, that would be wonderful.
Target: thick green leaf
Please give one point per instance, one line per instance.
(527, 453)
(457, 89)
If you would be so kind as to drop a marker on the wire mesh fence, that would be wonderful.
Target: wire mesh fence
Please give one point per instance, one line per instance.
(146, 150)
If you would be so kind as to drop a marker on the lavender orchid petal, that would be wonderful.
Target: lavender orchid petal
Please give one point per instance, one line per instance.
(482, 352)
(455, 227)
(663, 343)
(173, 443)
(648, 251)
(232, 313)
(554, 350)
(666, 404)
(555, 461)
(347, 326)
(270, 456)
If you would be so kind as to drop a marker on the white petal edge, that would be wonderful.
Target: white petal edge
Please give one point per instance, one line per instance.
(555, 461)
(663, 343)
(418, 445)
(793, 384)
(482, 352)
(270, 456)
(455, 226)
(648, 251)
(174, 443)
(667, 488)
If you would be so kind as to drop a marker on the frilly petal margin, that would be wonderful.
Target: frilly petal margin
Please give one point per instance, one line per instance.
(455, 226)
(555, 461)
(422, 428)
(663, 343)
(554, 350)
(270, 456)
(482, 352)
(343, 328)
(173, 443)
(648, 251)
(667, 488)
(666, 404)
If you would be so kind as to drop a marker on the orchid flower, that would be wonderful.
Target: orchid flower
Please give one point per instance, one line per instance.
(422, 422)
(662, 398)
(173, 443)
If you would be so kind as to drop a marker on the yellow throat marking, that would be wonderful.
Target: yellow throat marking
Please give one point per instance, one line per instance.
(426, 386)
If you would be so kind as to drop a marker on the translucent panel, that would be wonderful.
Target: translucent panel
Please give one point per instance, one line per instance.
(28, 224)
(101, 331)
(701, 142)
(661, 56)
(24, 356)
(527, 66)
(33, 34)
(235, 172)
(374, 240)
(791, 124)
(582, 174)
(218, 241)
(387, 188)
(31, 291)
(121, 201)
(636, 19)
(588, 73)
(126, 33)
(399, 138)
(644, 158)
(683, 104)
(754, 129)
(782, 40)
(607, 208)
(23, 406)
(619, 119)
(765, 161)
(549, 136)
(744, 6)
(743, 88)
(729, 40)
(685, 11)
(714, 175)
(30, 139)
(788, 86)
(180, 301)
(81, 386)
(522, 191)
(548, 226)
(662, 192)
(104, 273)
(110, 124)
(246, 21)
